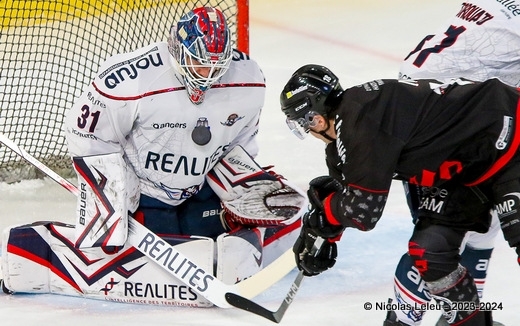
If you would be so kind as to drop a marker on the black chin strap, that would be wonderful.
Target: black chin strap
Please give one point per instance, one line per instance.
(324, 135)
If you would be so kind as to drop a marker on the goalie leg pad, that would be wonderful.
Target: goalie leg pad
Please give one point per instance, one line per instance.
(41, 258)
(279, 239)
(245, 251)
(239, 254)
(109, 189)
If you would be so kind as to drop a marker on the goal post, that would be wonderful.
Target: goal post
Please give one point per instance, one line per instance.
(50, 50)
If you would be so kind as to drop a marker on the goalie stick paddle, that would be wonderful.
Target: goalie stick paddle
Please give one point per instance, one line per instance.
(153, 247)
(277, 315)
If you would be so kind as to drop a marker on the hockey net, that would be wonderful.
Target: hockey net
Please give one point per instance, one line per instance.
(50, 50)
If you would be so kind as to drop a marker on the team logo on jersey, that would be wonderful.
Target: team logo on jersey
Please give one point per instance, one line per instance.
(178, 193)
(231, 120)
(201, 134)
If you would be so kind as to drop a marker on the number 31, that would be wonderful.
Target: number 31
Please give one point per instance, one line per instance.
(84, 118)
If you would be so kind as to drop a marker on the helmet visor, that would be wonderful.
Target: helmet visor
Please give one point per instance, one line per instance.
(300, 127)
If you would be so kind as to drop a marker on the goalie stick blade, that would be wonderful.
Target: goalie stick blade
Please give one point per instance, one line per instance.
(253, 307)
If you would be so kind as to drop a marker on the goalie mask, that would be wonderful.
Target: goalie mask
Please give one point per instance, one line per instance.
(200, 44)
(310, 91)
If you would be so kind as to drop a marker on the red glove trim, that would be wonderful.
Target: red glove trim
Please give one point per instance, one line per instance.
(328, 211)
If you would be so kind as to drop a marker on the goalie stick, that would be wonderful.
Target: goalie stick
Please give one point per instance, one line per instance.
(180, 266)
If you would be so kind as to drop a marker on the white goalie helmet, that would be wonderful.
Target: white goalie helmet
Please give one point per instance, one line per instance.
(200, 43)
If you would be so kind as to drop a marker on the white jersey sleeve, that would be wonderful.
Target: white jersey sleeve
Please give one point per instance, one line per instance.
(245, 68)
(480, 42)
(138, 106)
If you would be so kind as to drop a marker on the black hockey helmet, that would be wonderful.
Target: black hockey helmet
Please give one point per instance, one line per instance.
(310, 91)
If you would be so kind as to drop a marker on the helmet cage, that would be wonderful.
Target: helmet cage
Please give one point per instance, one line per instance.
(196, 57)
(202, 49)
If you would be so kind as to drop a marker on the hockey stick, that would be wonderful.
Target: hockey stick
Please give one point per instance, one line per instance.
(176, 263)
(277, 315)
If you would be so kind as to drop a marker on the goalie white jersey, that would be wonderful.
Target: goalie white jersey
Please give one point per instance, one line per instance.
(137, 106)
(482, 40)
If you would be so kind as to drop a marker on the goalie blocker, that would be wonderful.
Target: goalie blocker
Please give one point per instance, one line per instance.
(109, 189)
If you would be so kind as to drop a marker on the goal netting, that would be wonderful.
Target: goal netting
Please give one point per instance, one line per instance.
(50, 50)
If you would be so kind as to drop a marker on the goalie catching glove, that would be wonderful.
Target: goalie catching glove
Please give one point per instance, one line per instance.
(252, 196)
(314, 225)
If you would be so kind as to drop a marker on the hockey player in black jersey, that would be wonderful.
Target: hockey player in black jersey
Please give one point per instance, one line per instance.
(459, 139)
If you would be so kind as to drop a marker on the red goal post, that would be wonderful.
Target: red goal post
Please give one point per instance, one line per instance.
(50, 50)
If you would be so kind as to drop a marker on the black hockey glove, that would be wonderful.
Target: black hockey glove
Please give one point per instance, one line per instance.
(312, 261)
(315, 225)
(319, 189)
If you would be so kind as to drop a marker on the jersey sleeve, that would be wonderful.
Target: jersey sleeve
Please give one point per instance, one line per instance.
(102, 117)
(367, 152)
(97, 124)
(247, 137)
(479, 42)
(249, 71)
(367, 177)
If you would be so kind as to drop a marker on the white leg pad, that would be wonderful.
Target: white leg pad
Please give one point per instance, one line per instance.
(41, 258)
(239, 254)
(243, 253)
